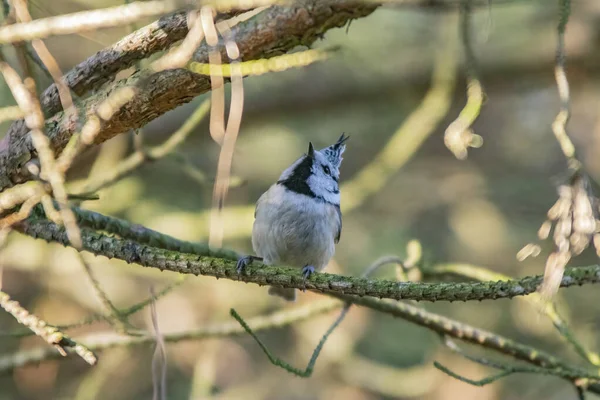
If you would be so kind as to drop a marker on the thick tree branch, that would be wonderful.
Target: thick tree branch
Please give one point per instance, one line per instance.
(208, 264)
(272, 32)
(100, 68)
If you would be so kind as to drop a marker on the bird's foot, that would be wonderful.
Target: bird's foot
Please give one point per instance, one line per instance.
(243, 262)
(307, 271)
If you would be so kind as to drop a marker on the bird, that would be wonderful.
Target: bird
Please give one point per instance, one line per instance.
(298, 221)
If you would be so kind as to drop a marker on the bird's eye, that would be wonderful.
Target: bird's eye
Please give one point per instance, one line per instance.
(326, 170)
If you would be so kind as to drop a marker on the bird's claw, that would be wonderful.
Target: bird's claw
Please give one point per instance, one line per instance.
(243, 262)
(307, 271)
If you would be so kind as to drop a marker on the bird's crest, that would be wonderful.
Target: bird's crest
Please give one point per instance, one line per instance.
(334, 152)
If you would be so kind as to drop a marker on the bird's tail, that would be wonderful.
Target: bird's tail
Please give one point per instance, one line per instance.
(287, 294)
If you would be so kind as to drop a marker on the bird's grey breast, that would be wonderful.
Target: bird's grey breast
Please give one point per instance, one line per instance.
(292, 231)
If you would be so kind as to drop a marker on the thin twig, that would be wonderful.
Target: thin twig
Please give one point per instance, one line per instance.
(302, 373)
(567, 244)
(548, 308)
(459, 135)
(179, 57)
(307, 372)
(159, 359)
(102, 342)
(50, 334)
(113, 314)
(24, 211)
(15, 196)
(562, 84)
(125, 313)
(266, 65)
(84, 21)
(467, 333)
(48, 61)
(234, 120)
(29, 52)
(506, 369)
(142, 156)
(35, 121)
(257, 38)
(217, 93)
(481, 382)
(11, 113)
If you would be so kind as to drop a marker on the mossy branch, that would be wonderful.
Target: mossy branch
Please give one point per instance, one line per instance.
(483, 274)
(212, 263)
(204, 264)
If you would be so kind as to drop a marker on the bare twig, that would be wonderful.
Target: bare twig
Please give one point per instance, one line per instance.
(177, 58)
(483, 274)
(91, 74)
(113, 314)
(35, 121)
(24, 211)
(508, 369)
(159, 359)
(15, 196)
(257, 38)
(48, 61)
(459, 135)
(217, 110)
(11, 113)
(50, 334)
(263, 66)
(84, 21)
(141, 156)
(234, 121)
(575, 214)
(36, 59)
(102, 115)
(413, 131)
(562, 84)
(307, 372)
(124, 313)
(102, 342)
(302, 373)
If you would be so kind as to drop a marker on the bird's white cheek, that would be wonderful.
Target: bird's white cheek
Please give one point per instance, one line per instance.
(333, 198)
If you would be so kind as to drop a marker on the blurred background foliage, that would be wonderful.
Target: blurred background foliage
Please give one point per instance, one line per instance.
(479, 211)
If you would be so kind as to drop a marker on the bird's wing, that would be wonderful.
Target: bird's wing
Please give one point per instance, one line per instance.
(339, 231)
(261, 199)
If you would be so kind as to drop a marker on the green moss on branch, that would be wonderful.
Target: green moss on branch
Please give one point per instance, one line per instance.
(207, 262)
